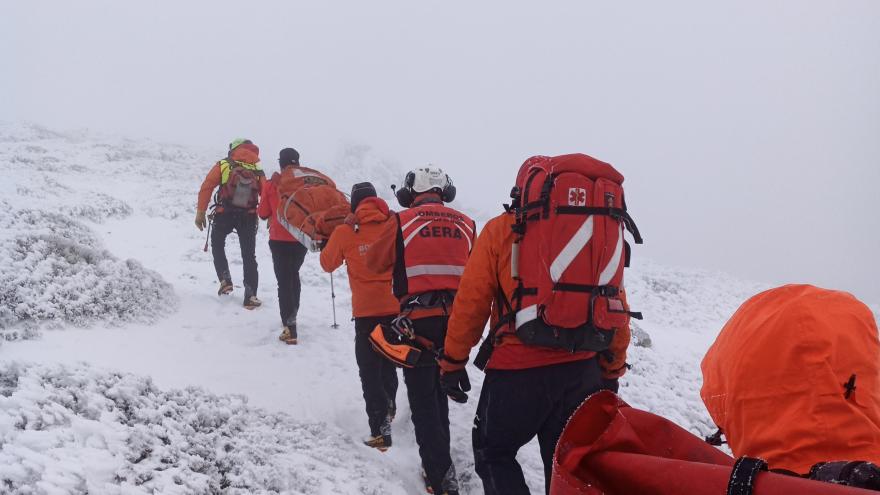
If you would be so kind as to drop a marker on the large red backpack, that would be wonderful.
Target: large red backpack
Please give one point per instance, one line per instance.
(310, 207)
(569, 253)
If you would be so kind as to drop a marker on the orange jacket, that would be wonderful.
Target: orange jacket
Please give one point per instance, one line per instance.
(370, 292)
(489, 266)
(773, 381)
(247, 153)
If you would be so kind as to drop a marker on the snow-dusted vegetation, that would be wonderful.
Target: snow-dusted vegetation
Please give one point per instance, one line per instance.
(55, 279)
(55, 268)
(75, 430)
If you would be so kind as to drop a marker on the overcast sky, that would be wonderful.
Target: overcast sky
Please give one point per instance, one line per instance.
(749, 131)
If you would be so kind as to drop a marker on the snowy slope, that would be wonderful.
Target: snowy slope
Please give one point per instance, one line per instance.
(120, 359)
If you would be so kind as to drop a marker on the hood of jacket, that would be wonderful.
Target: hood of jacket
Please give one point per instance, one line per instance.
(794, 378)
(372, 210)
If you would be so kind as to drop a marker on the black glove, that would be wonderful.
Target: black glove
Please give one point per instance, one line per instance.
(455, 383)
(611, 384)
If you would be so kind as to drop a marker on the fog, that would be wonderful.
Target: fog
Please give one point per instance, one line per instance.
(749, 131)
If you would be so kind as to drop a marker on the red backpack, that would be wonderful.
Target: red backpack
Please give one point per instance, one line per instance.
(242, 187)
(569, 253)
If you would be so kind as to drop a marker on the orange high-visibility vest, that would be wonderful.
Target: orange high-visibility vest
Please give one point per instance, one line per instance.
(433, 245)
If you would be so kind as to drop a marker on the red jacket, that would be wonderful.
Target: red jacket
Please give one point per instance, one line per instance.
(268, 210)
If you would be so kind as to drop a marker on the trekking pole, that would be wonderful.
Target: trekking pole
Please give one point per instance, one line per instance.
(208, 235)
(333, 298)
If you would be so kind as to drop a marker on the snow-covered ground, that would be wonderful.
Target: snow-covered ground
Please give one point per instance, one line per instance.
(123, 372)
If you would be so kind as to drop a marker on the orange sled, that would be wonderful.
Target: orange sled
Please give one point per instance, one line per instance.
(610, 448)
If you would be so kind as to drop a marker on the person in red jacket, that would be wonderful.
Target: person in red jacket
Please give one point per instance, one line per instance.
(287, 253)
(372, 304)
(239, 178)
(426, 246)
(528, 390)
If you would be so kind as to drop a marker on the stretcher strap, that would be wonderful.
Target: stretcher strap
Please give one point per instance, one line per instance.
(743, 475)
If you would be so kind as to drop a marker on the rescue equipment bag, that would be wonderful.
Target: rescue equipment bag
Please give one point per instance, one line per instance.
(309, 207)
(610, 448)
(399, 343)
(569, 253)
(389, 345)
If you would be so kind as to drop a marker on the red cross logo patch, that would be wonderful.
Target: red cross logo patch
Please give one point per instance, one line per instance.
(577, 196)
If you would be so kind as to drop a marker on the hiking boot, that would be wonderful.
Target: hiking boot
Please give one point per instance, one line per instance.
(252, 303)
(379, 442)
(225, 287)
(288, 335)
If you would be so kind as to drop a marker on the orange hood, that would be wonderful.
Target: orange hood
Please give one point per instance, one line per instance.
(774, 380)
(372, 210)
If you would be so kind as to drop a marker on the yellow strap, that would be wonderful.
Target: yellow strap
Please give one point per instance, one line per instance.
(226, 167)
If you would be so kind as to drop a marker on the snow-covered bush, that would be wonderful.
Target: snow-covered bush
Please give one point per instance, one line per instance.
(49, 223)
(78, 430)
(100, 207)
(50, 277)
(55, 270)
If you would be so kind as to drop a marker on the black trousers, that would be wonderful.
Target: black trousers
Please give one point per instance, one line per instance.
(516, 405)
(430, 408)
(287, 258)
(245, 225)
(378, 375)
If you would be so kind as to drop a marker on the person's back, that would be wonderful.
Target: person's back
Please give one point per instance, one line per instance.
(372, 304)
(239, 179)
(371, 291)
(794, 378)
(427, 246)
(288, 253)
(537, 376)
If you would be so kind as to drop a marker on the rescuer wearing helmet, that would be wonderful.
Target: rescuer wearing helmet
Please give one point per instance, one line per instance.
(427, 246)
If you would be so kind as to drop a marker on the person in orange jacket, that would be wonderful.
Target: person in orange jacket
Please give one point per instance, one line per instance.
(527, 390)
(288, 254)
(239, 179)
(793, 378)
(372, 304)
(426, 246)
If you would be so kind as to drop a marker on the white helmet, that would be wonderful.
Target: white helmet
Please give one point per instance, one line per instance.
(423, 180)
